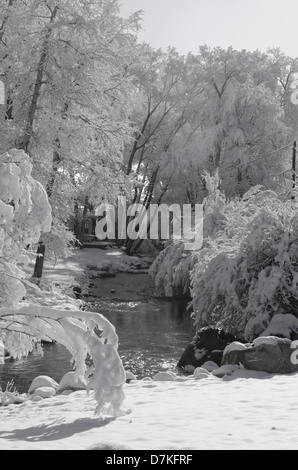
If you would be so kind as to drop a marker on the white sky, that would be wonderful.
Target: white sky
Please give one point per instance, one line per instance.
(243, 24)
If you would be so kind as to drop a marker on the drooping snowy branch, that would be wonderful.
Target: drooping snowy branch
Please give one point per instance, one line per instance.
(86, 335)
(24, 213)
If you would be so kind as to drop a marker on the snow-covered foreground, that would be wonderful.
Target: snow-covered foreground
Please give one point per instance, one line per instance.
(245, 411)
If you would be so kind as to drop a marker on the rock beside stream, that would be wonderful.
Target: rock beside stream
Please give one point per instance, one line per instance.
(208, 345)
(271, 354)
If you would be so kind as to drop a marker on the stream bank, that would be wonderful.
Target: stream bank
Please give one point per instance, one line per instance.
(153, 332)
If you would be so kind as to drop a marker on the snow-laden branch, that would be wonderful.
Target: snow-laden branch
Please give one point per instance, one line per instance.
(25, 212)
(86, 335)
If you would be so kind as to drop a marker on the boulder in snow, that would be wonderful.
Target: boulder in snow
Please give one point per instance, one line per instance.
(225, 370)
(44, 392)
(36, 398)
(210, 366)
(130, 376)
(189, 369)
(71, 382)
(201, 373)
(164, 377)
(208, 345)
(41, 382)
(268, 354)
(20, 399)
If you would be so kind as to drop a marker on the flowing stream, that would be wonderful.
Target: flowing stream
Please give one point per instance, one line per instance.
(152, 336)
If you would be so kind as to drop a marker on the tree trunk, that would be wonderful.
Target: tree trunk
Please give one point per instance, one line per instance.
(55, 165)
(9, 109)
(39, 261)
(82, 229)
(24, 145)
(76, 225)
(130, 248)
(140, 242)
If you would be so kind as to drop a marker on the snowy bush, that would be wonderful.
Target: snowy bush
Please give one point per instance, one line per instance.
(9, 396)
(171, 269)
(247, 270)
(24, 214)
(59, 241)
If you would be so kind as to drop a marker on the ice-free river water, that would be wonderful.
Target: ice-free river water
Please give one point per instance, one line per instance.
(152, 336)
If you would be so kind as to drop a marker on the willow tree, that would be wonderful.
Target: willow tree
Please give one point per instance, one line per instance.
(65, 65)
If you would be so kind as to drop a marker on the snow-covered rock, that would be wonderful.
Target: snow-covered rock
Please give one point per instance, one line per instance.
(130, 376)
(44, 392)
(208, 345)
(268, 354)
(36, 398)
(225, 370)
(210, 366)
(201, 373)
(236, 346)
(43, 382)
(20, 399)
(164, 377)
(189, 369)
(273, 340)
(71, 382)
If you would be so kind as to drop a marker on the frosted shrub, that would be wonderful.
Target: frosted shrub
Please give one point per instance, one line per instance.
(24, 213)
(59, 241)
(248, 271)
(171, 269)
(9, 395)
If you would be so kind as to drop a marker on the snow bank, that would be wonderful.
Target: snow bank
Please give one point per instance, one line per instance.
(246, 410)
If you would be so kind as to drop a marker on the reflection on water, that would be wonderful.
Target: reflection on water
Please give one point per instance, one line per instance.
(55, 362)
(152, 337)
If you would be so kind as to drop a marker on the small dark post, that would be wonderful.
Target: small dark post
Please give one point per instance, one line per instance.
(39, 261)
(294, 169)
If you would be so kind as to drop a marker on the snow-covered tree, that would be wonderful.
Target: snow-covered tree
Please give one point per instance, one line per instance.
(24, 213)
(68, 98)
(247, 270)
(171, 270)
(242, 119)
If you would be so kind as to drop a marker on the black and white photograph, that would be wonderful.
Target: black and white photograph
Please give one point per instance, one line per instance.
(148, 227)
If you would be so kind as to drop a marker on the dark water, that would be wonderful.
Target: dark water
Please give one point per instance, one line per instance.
(152, 337)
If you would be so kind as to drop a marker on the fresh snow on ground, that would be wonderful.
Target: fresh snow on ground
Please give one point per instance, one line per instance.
(224, 409)
(243, 411)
